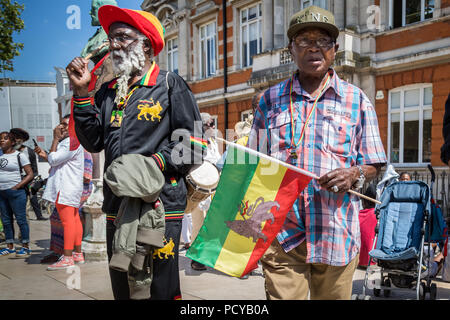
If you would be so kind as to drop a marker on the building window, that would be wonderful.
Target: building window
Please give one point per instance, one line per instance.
(251, 35)
(172, 55)
(405, 12)
(410, 111)
(319, 3)
(208, 60)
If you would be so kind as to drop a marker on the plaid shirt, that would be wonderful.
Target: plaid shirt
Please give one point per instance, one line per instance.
(342, 132)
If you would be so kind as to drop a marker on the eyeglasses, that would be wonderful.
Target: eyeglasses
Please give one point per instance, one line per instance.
(323, 43)
(121, 40)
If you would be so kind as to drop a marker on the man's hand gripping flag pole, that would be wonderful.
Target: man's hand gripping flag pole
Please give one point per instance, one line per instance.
(287, 165)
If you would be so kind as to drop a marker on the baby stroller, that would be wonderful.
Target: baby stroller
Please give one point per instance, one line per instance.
(402, 217)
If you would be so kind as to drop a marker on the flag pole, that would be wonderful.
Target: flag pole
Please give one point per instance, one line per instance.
(287, 165)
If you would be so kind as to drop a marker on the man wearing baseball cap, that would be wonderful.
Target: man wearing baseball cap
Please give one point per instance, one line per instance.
(146, 111)
(320, 123)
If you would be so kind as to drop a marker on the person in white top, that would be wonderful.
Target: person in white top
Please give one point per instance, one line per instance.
(64, 188)
(13, 198)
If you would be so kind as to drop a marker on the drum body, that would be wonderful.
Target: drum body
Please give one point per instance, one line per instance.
(201, 182)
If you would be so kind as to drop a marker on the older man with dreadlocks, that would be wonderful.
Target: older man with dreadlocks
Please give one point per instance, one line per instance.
(144, 111)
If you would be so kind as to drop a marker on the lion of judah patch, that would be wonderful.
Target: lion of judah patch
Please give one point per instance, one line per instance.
(150, 109)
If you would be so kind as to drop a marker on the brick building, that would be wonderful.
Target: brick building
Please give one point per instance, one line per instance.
(397, 51)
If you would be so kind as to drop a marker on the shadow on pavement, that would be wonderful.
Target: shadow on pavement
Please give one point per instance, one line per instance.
(400, 293)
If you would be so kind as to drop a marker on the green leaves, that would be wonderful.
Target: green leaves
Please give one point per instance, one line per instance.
(10, 22)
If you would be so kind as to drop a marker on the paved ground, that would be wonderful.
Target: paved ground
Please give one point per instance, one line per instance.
(27, 279)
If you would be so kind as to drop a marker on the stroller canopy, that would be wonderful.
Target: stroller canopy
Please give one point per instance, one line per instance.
(401, 217)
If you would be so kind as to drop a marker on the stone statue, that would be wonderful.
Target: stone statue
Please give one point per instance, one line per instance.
(100, 36)
(94, 238)
(104, 72)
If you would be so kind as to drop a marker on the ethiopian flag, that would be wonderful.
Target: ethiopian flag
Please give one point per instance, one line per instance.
(248, 209)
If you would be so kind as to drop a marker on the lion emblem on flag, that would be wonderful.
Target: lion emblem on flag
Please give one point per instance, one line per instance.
(254, 215)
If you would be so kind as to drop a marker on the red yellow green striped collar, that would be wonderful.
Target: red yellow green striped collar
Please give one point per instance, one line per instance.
(150, 77)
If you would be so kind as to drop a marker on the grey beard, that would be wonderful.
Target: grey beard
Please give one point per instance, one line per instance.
(131, 62)
(122, 88)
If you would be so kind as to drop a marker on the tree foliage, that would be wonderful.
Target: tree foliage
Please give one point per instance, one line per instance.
(10, 22)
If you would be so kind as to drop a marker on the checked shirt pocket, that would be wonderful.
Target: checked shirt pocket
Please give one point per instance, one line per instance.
(338, 135)
(279, 130)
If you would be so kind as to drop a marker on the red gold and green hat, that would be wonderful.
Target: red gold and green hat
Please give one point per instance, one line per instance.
(143, 21)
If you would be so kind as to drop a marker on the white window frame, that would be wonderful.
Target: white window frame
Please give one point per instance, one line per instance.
(421, 108)
(203, 44)
(323, 4)
(245, 114)
(258, 21)
(170, 54)
(422, 13)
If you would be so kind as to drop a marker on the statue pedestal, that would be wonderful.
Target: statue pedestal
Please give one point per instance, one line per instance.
(94, 241)
(94, 229)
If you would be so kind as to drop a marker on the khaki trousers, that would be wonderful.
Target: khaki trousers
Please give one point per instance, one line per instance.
(288, 277)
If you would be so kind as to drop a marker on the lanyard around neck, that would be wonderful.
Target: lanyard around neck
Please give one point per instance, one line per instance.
(123, 103)
(291, 108)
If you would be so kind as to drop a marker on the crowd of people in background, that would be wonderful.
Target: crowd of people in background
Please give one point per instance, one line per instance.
(13, 195)
(303, 258)
(22, 136)
(67, 187)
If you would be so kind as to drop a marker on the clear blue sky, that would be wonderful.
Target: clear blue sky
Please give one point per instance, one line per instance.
(48, 42)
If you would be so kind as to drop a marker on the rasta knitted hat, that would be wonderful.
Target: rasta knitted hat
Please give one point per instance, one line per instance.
(143, 21)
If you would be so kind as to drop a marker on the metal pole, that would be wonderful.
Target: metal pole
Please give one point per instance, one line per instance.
(225, 62)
